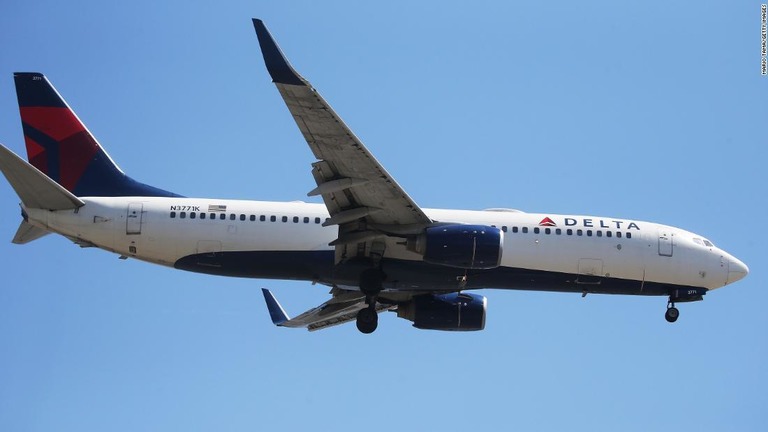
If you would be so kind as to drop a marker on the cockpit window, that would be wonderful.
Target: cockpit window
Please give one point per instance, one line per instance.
(703, 242)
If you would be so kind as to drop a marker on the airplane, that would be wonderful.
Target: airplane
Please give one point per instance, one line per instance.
(368, 241)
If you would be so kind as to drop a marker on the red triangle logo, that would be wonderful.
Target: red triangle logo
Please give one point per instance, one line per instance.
(547, 222)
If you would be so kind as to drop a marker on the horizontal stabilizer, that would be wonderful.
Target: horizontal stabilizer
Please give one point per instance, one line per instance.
(28, 233)
(34, 188)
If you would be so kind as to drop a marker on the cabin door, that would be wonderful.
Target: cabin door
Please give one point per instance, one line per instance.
(666, 243)
(133, 219)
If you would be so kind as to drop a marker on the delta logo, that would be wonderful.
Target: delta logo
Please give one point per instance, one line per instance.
(547, 222)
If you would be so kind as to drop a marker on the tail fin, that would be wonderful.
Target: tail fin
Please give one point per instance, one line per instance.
(60, 146)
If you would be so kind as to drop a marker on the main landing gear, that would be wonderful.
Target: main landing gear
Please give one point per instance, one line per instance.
(371, 283)
(672, 313)
(367, 319)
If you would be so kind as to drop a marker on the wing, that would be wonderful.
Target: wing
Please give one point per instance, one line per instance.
(340, 309)
(362, 198)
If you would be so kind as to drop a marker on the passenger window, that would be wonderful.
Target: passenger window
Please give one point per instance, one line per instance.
(317, 220)
(222, 216)
(569, 231)
(202, 215)
(525, 230)
(579, 232)
(536, 230)
(608, 233)
(232, 216)
(306, 219)
(629, 235)
(272, 218)
(252, 218)
(242, 217)
(599, 233)
(183, 215)
(173, 215)
(589, 233)
(262, 218)
(295, 219)
(618, 234)
(212, 216)
(558, 231)
(514, 229)
(547, 231)
(192, 215)
(285, 218)
(504, 228)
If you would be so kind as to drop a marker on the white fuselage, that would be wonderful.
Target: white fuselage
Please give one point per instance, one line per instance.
(164, 230)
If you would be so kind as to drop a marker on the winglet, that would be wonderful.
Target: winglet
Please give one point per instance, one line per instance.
(276, 311)
(279, 69)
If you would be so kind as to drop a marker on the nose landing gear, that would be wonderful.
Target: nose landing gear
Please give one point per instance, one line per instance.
(672, 313)
(681, 295)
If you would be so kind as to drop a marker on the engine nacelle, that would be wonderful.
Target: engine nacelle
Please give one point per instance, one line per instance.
(451, 312)
(462, 246)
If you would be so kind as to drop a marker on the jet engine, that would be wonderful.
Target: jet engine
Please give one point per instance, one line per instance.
(451, 312)
(463, 246)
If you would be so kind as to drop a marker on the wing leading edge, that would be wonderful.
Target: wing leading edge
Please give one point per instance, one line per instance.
(361, 196)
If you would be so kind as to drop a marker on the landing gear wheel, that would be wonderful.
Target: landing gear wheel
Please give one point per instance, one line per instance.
(672, 314)
(367, 320)
(371, 283)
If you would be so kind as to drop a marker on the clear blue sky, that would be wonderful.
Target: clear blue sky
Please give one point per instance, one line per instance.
(644, 110)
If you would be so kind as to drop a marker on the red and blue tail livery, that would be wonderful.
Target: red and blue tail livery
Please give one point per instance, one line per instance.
(60, 146)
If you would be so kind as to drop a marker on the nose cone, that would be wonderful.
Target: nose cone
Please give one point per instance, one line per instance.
(737, 270)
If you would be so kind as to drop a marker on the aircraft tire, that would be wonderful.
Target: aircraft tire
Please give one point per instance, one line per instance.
(367, 320)
(672, 314)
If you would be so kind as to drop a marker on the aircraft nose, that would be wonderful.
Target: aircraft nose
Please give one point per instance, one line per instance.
(737, 270)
